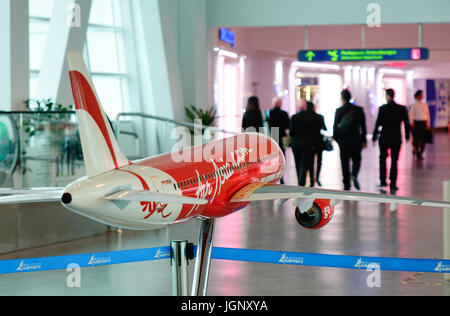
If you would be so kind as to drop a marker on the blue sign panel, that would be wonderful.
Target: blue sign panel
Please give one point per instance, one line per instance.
(227, 36)
(364, 54)
(437, 100)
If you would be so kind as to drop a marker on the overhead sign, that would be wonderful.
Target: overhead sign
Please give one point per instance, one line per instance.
(226, 35)
(364, 54)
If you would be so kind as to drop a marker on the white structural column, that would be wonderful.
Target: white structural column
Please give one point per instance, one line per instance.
(194, 52)
(446, 222)
(159, 75)
(172, 41)
(63, 36)
(14, 61)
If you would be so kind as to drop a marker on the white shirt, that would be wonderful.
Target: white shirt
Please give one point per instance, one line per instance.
(419, 111)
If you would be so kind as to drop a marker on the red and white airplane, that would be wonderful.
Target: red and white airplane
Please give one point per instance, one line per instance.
(158, 191)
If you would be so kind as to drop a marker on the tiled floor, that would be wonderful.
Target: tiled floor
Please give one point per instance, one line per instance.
(364, 229)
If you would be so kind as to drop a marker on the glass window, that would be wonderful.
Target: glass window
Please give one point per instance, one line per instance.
(105, 12)
(41, 8)
(38, 40)
(34, 80)
(102, 49)
(105, 55)
(40, 12)
(109, 90)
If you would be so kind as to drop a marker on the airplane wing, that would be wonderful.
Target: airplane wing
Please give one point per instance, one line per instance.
(30, 195)
(40, 195)
(261, 192)
(4, 191)
(135, 195)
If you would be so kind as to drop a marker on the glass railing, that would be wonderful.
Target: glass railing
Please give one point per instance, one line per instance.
(43, 149)
(39, 149)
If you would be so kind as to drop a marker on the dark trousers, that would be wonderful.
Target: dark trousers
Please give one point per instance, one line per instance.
(284, 153)
(394, 152)
(420, 129)
(350, 152)
(304, 161)
(319, 162)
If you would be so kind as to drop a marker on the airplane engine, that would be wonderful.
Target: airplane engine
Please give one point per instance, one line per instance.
(317, 216)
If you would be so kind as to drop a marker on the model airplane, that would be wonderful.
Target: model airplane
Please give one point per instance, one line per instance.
(153, 193)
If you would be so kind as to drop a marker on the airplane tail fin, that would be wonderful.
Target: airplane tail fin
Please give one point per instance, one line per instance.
(100, 148)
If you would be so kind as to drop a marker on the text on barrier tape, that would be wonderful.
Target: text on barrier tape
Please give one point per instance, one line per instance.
(332, 261)
(86, 260)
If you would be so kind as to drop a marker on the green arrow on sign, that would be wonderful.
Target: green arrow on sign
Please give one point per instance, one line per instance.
(334, 55)
(310, 55)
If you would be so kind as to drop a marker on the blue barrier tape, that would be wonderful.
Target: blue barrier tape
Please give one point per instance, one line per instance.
(246, 255)
(332, 261)
(83, 261)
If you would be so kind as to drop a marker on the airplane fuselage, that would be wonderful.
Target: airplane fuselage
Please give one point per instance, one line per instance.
(214, 172)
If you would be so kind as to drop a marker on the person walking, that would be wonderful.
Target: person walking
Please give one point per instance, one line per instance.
(390, 118)
(349, 131)
(419, 115)
(252, 118)
(278, 121)
(304, 132)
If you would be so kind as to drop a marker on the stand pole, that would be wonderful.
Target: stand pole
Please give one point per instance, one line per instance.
(179, 268)
(203, 260)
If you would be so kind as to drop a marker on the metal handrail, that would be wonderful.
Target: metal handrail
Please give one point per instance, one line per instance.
(37, 112)
(166, 121)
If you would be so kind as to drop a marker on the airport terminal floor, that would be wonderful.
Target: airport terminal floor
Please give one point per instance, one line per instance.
(360, 229)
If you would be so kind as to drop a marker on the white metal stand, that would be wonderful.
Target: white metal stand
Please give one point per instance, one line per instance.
(203, 259)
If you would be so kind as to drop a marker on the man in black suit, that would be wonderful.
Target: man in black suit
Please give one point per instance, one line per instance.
(349, 131)
(390, 118)
(305, 133)
(278, 119)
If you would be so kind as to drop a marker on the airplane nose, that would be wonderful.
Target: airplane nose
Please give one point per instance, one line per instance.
(66, 198)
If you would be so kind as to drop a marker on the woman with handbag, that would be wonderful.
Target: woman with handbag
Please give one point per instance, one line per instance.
(419, 115)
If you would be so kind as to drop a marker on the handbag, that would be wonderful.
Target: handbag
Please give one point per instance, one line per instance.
(286, 141)
(428, 136)
(327, 144)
